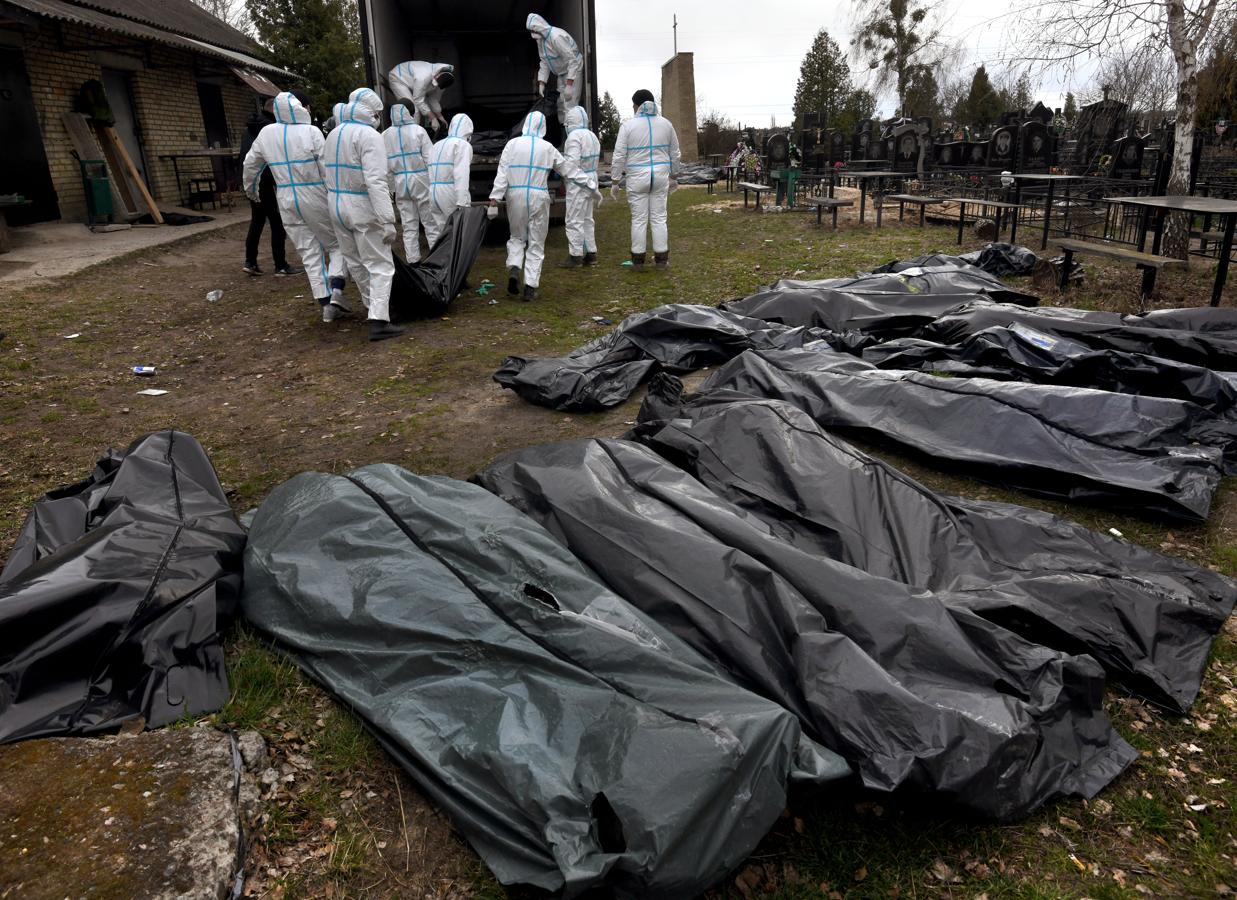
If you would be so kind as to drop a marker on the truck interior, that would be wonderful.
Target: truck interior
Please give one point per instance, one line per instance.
(495, 58)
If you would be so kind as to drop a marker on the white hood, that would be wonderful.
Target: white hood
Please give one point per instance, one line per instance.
(577, 117)
(534, 124)
(363, 106)
(288, 110)
(461, 126)
(537, 25)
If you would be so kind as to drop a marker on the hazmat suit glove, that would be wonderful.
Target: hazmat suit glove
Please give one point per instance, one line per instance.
(492, 211)
(614, 192)
(674, 184)
(388, 234)
(597, 197)
(540, 88)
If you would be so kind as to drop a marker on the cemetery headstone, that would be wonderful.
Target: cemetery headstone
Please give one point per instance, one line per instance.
(1035, 147)
(777, 150)
(905, 143)
(1127, 157)
(837, 147)
(976, 153)
(1001, 148)
(950, 153)
(1041, 113)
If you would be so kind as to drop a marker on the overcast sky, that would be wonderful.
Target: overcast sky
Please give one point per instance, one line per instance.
(747, 54)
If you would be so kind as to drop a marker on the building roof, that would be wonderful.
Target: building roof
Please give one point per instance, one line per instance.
(178, 23)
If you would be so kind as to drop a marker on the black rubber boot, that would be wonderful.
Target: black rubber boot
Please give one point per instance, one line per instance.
(380, 331)
(637, 262)
(662, 260)
(590, 259)
(513, 281)
(530, 293)
(572, 262)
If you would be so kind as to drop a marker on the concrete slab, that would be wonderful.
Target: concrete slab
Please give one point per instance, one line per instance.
(55, 249)
(155, 815)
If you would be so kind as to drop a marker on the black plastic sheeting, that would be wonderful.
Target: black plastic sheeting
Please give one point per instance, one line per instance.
(114, 596)
(673, 338)
(1211, 348)
(697, 173)
(1149, 619)
(576, 743)
(1069, 443)
(428, 287)
(921, 276)
(1021, 353)
(999, 260)
(915, 692)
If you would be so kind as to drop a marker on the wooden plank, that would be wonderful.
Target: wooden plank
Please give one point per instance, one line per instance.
(758, 188)
(1121, 253)
(84, 143)
(827, 202)
(109, 136)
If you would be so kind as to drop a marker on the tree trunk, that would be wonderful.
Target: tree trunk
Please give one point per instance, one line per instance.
(1184, 44)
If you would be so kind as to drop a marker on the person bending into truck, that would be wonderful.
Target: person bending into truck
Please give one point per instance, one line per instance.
(421, 84)
(289, 151)
(450, 167)
(583, 148)
(646, 158)
(523, 172)
(408, 154)
(355, 167)
(560, 56)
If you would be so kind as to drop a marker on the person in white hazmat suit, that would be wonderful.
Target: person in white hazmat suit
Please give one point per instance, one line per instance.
(583, 148)
(523, 174)
(408, 154)
(292, 149)
(450, 167)
(355, 164)
(646, 159)
(422, 83)
(559, 56)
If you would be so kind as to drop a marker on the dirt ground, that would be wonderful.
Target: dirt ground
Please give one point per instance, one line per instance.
(271, 391)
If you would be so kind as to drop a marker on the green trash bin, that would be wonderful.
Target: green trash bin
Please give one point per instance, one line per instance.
(98, 189)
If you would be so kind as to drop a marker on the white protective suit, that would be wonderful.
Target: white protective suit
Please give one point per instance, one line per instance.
(356, 181)
(583, 148)
(408, 153)
(450, 165)
(414, 80)
(646, 153)
(523, 175)
(292, 149)
(560, 55)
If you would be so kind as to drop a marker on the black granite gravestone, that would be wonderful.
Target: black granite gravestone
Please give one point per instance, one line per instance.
(1002, 147)
(1127, 158)
(1034, 147)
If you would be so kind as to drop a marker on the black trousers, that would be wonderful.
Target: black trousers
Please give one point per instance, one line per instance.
(261, 213)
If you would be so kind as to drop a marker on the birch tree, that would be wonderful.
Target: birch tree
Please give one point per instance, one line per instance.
(1073, 32)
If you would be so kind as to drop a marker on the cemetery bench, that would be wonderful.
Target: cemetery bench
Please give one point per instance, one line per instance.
(823, 203)
(7, 203)
(998, 205)
(1148, 262)
(756, 189)
(922, 202)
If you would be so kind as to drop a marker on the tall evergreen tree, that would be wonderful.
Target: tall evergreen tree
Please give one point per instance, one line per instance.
(1217, 83)
(824, 81)
(858, 106)
(320, 40)
(1071, 108)
(923, 95)
(983, 104)
(608, 125)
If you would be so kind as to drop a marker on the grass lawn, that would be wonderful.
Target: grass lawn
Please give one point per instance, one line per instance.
(271, 391)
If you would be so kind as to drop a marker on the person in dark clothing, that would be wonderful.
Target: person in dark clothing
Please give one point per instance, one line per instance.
(267, 210)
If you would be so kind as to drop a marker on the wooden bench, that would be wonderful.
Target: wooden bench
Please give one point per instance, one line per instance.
(756, 189)
(823, 203)
(923, 202)
(1149, 263)
(998, 205)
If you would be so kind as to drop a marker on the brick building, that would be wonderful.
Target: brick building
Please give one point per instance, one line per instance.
(176, 78)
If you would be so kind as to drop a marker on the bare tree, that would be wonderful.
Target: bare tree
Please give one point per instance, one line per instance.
(1144, 78)
(232, 12)
(1073, 31)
